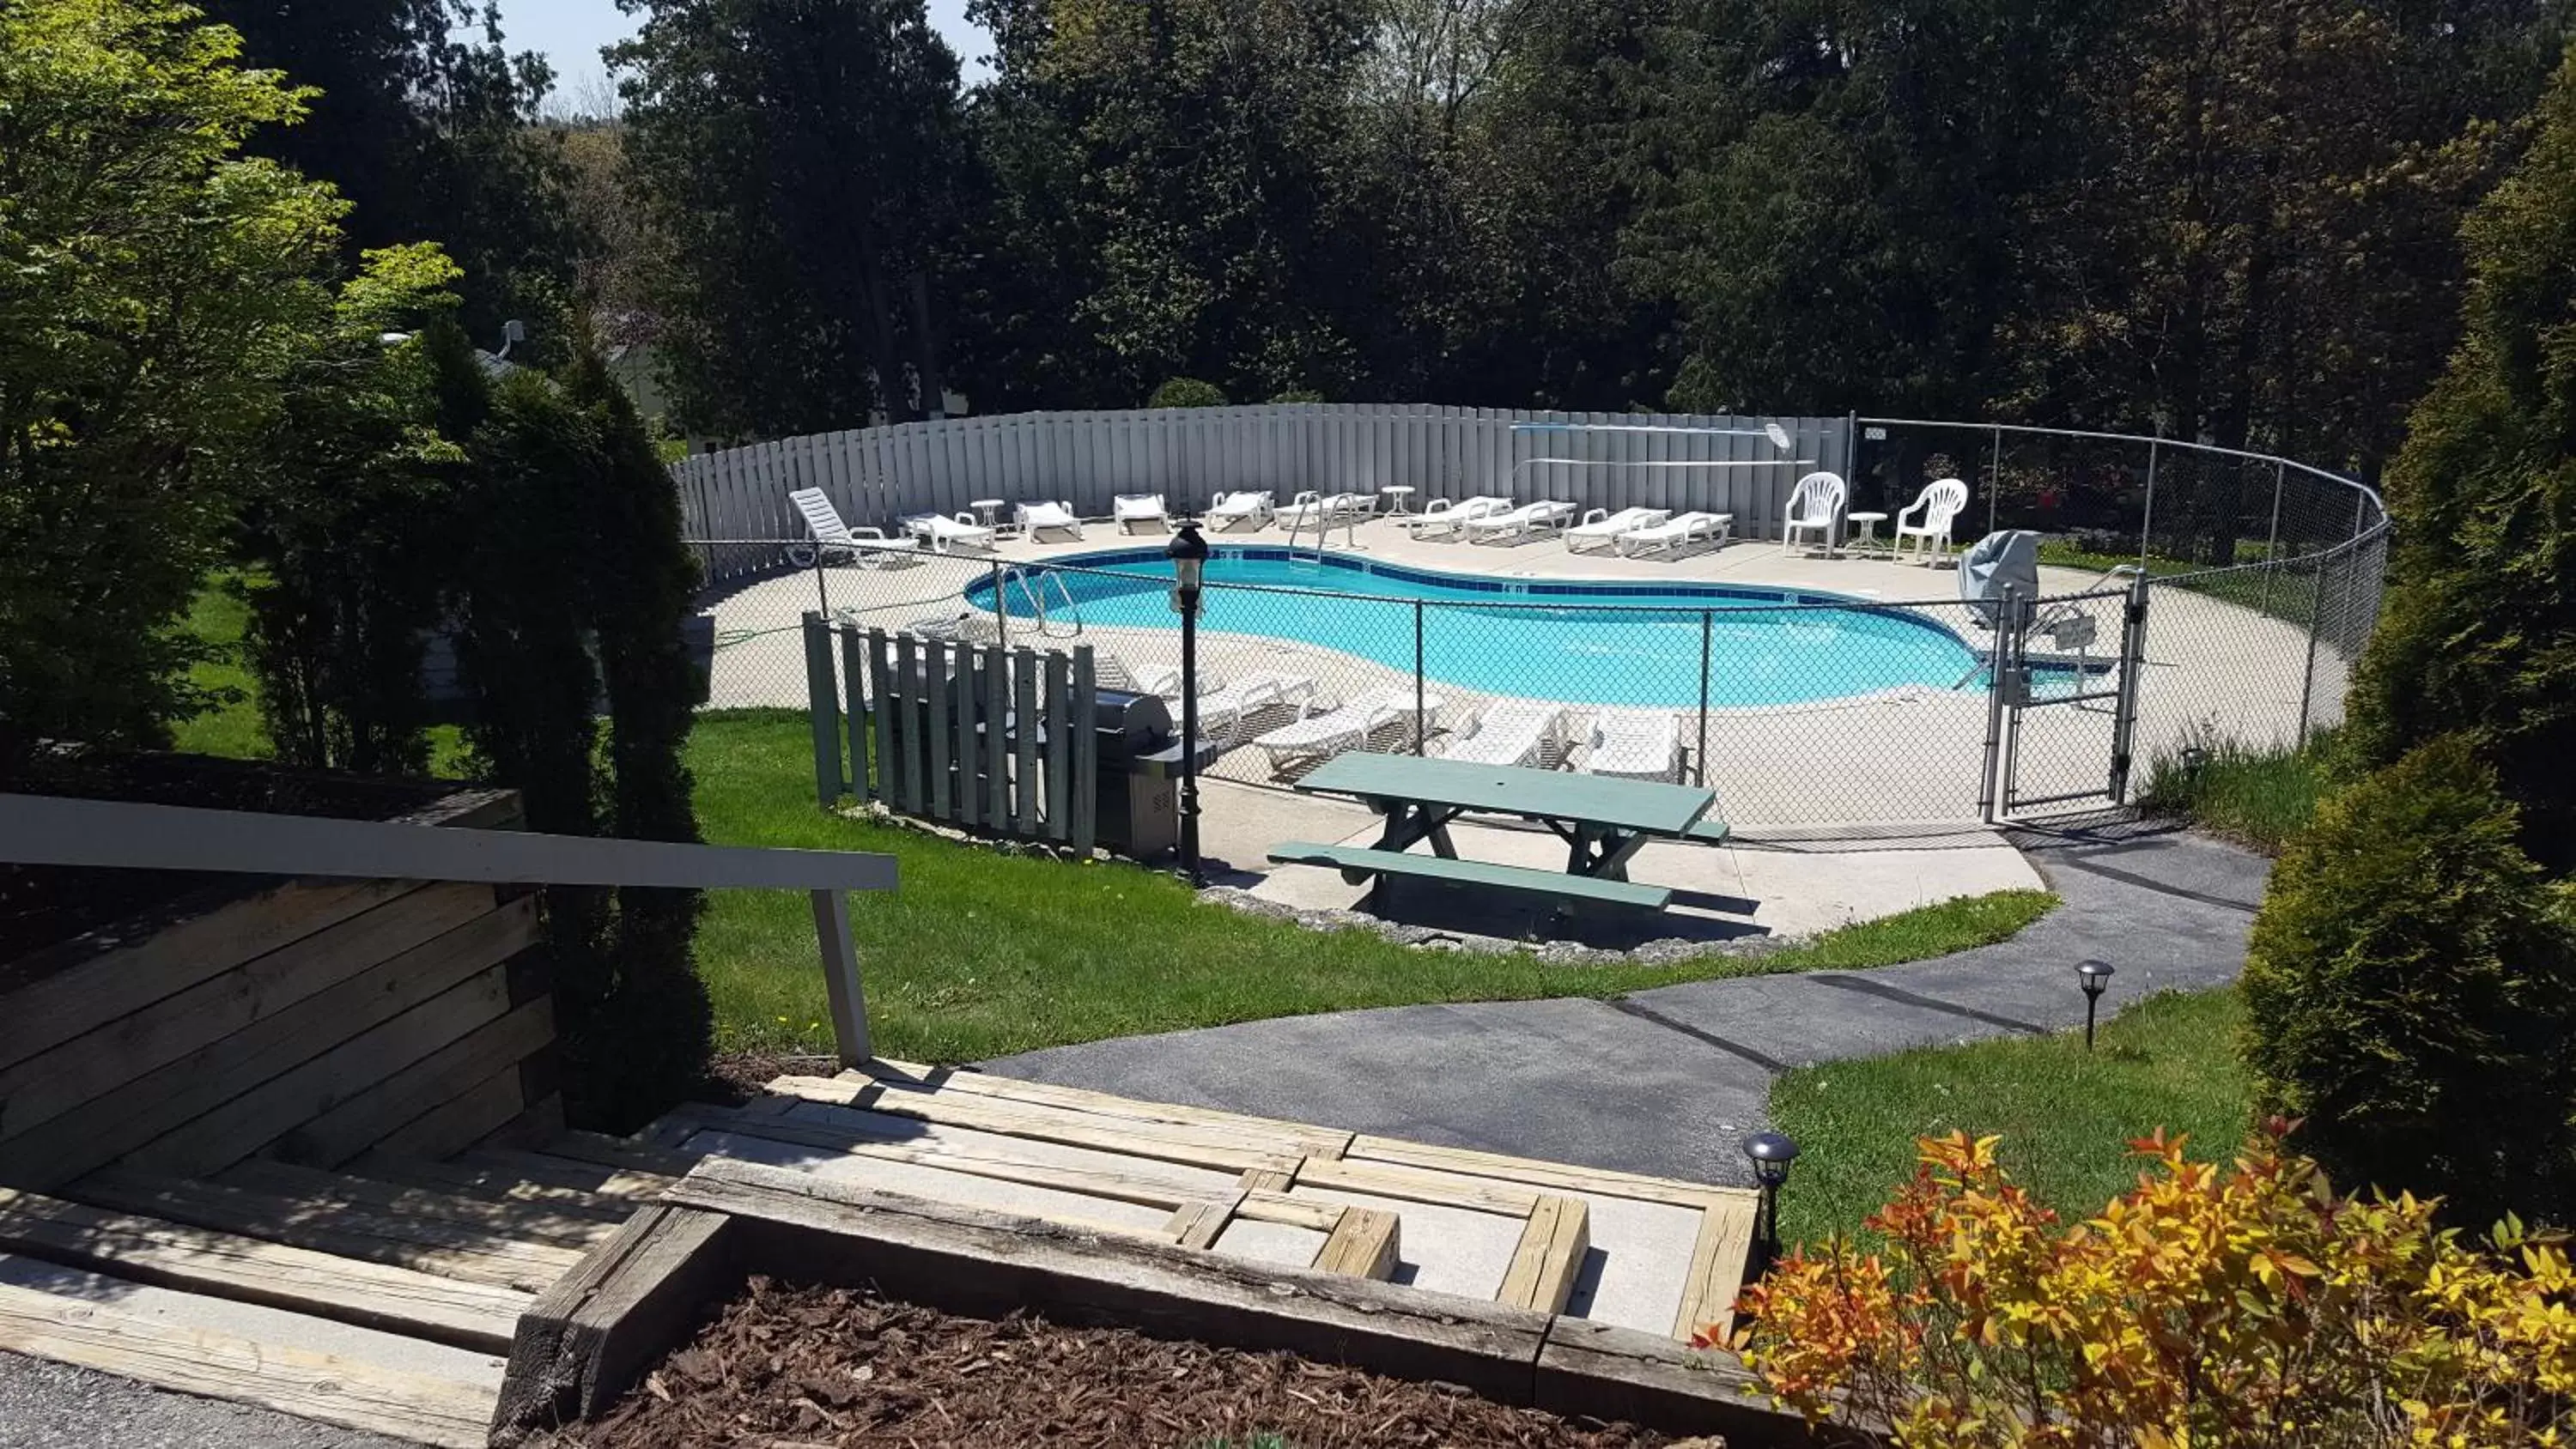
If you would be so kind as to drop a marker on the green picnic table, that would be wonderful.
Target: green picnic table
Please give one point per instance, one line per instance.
(1603, 822)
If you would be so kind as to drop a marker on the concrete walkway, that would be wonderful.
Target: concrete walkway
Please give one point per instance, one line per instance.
(1668, 1081)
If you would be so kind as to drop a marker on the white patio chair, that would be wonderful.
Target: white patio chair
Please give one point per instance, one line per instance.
(1441, 515)
(1601, 526)
(1222, 712)
(1674, 533)
(939, 531)
(1036, 518)
(1510, 732)
(1636, 744)
(1346, 727)
(1308, 509)
(1815, 506)
(1941, 504)
(1519, 522)
(1232, 510)
(1116, 671)
(1130, 509)
(866, 547)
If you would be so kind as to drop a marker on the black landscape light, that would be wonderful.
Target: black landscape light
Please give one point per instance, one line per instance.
(2096, 979)
(1189, 553)
(1770, 1153)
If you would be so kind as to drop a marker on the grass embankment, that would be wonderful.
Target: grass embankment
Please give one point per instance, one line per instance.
(2287, 593)
(2066, 1116)
(979, 954)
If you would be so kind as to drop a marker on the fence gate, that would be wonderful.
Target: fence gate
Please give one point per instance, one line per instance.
(2063, 707)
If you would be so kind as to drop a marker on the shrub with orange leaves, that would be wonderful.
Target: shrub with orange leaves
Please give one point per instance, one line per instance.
(2245, 1305)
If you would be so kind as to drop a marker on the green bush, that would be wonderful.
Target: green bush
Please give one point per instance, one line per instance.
(1186, 392)
(2408, 993)
(2479, 632)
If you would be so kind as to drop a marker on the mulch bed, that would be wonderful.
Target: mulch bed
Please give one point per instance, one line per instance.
(788, 1366)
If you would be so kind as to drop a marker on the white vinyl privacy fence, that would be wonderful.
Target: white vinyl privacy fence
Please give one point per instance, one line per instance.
(1714, 463)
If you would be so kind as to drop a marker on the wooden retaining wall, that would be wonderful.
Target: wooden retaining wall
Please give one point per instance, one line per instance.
(308, 1021)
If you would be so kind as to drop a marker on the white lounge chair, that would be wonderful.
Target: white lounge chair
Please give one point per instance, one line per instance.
(1443, 516)
(1036, 518)
(939, 531)
(1232, 510)
(1510, 732)
(1130, 509)
(1519, 522)
(1636, 744)
(1601, 526)
(1222, 712)
(1673, 533)
(1328, 509)
(1815, 506)
(1941, 504)
(1346, 727)
(866, 547)
(1118, 672)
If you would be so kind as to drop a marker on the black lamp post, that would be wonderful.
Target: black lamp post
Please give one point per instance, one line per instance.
(2096, 978)
(1771, 1155)
(1188, 553)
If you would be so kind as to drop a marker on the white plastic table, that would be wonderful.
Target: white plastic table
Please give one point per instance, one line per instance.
(987, 509)
(1869, 522)
(1397, 493)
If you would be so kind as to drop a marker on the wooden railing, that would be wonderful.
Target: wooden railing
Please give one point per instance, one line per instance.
(46, 830)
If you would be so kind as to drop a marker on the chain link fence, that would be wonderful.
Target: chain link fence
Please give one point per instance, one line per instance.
(2188, 596)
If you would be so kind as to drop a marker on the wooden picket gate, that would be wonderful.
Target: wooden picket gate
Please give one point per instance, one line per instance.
(936, 729)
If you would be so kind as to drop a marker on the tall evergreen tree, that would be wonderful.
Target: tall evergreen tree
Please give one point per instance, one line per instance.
(2479, 632)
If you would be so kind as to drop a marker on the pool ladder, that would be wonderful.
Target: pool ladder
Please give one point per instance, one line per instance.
(1035, 594)
(1323, 529)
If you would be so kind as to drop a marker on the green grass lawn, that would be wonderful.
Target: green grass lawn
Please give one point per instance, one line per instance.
(980, 954)
(2066, 1117)
(2283, 593)
(232, 728)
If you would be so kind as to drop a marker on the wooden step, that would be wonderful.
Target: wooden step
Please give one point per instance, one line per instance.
(529, 1222)
(451, 1250)
(253, 1270)
(495, 1184)
(545, 1167)
(357, 1378)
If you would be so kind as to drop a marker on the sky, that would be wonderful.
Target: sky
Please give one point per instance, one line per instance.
(570, 32)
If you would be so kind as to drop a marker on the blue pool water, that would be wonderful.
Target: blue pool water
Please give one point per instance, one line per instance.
(1582, 642)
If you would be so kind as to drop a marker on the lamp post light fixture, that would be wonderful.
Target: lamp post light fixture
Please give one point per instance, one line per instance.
(2095, 977)
(1189, 553)
(1771, 1153)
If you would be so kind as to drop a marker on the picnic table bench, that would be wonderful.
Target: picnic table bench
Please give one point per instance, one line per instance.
(1603, 821)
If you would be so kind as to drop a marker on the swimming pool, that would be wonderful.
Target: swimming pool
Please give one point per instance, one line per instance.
(1585, 642)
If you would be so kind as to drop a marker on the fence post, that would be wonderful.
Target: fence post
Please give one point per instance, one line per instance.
(822, 707)
(2147, 522)
(1421, 727)
(854, 676)
(849, 1004)
(1994, 479)
(1086, 752)
(1001, 607)
(2133, 662)
(2316, 620)
(1707, 637)
(1998, 667)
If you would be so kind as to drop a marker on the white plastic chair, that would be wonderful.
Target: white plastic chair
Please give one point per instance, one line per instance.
(1234, 509)
(866, 547)
(1674, 532)
(1816, 507)
(1941, 504)
(1520, 522)
(1604, 527)
(1636, 744)
(1130, 509)
(1036, 518)
(1347, 727)
(939, 530)
(1443, 515)
(1510, 732)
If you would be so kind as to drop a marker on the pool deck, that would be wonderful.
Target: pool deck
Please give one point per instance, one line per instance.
(1865, 765)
